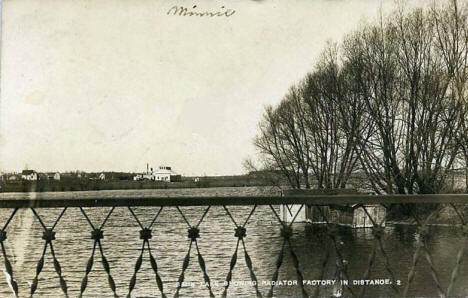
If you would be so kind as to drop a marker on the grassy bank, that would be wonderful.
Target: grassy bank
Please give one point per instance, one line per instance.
(88, 184)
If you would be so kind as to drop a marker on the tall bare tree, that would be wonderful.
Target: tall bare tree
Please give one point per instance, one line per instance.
(451, 26)
(333, 121)
(389, 102)
(407, 87)
(308, 131)
(276, 148)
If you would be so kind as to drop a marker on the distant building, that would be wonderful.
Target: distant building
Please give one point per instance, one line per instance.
(29, 175)
(102, 176)
(163, 173)
(138, 177)
(13, 178)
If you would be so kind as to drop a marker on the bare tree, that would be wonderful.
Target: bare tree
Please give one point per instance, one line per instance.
(451, 26)
(407, 90)
(333, 121)
(389, 102)
(276, 149)
(307, 135)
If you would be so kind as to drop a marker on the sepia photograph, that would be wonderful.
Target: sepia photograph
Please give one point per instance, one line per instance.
(243, 148)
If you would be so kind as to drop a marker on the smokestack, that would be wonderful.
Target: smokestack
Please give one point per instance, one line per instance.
(147, 168)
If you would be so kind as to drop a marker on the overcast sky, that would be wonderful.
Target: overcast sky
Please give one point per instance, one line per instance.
(111, 85)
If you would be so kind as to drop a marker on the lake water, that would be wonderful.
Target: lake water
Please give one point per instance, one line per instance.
(217, 243)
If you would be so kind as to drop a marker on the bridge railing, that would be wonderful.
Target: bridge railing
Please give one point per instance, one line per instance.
(10, 203)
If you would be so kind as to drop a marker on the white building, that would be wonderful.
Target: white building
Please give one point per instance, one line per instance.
(13, 177)
(53, 176)
(163, 173)
(29, 175)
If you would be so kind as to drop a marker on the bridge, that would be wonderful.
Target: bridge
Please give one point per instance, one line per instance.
(53, 207)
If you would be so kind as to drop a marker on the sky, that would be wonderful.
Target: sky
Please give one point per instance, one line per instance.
(112, 85)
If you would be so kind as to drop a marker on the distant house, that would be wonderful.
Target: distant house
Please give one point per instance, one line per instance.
(13, 178)
(29, 175)
(163, 173)
(102, 176)
(138, 177)
(53, 176)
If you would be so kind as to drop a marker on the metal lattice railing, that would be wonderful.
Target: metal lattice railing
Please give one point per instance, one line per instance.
(286, 230)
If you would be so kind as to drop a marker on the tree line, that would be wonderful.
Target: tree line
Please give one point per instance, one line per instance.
(389, 103)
